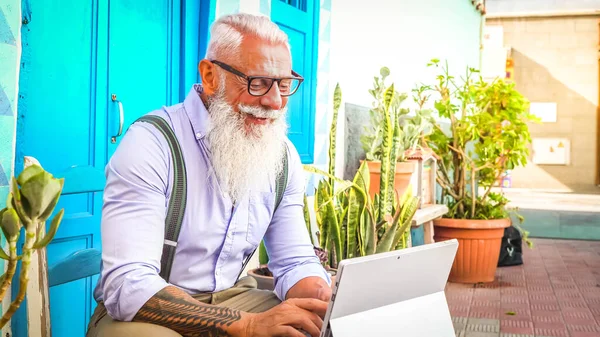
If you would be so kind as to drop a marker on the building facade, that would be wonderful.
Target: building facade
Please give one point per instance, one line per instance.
(553, 50)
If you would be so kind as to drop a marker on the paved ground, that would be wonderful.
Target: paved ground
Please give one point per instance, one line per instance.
(555, 293)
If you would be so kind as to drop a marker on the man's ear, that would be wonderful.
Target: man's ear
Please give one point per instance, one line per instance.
(208, 76)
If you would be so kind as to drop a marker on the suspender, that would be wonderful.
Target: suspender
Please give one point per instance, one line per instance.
(178, 199)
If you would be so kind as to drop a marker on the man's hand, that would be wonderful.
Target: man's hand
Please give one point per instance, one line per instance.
(288, 318)
(310, 287)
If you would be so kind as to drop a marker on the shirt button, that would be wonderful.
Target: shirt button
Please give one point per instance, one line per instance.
(198, 135)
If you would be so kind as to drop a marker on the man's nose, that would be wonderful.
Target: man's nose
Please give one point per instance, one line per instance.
(272, 98)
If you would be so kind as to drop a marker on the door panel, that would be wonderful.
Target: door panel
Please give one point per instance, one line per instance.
(143, 59)
(62, 76)
(76, 54)
(298, 19)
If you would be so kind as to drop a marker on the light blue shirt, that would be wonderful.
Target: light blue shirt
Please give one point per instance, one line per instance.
(215, 236)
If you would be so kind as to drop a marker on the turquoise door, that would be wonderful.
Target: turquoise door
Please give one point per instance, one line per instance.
(89, 68)
(299, 19)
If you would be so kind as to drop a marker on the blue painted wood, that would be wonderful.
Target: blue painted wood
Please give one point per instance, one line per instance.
(300, 20)
(62, 123)
(81, 264)
(144, 59)
(197, 16)
(417, 236)
(75, 55)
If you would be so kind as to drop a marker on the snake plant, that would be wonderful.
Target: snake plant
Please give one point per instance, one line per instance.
(31, 202)
(351, 223)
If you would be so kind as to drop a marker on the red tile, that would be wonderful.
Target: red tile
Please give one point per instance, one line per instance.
(590, 291)
(484, 309)
(576, 304)
(514, 292)
(564, 285)
(459, 311)
(592, 327)
(495, 314)
(514, 299)
(546, 313)
(540, 289)
(525, 328)
(521, 308)
(485, 303)
(551, 332)
(595, 310)
(545, 306)
(584, 334)
(459, 298)
(567, 293)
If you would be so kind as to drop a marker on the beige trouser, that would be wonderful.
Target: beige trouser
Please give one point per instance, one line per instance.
(242, 296)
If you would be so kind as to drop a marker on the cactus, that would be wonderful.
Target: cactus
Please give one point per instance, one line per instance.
(31, 202)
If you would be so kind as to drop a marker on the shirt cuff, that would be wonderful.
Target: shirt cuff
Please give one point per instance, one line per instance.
(290, 278)
(131, 301)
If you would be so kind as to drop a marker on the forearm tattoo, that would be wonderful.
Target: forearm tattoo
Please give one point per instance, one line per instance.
(173, 308)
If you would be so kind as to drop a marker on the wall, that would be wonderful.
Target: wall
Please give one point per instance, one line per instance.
(10, 26)
(555, 60)
(402, 35)
(498, 7)
(10, 53)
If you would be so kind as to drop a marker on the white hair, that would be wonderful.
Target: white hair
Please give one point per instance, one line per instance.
(228, 31)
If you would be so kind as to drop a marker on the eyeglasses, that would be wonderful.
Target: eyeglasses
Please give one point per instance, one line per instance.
(260, 85)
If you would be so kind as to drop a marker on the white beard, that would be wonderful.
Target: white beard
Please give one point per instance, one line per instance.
(244, 160)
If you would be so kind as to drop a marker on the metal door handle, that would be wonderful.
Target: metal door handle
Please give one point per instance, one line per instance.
(113, 139)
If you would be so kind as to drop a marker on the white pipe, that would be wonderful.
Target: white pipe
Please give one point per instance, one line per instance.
(590, 12)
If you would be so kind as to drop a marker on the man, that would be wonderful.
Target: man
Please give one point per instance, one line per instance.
(232, 132)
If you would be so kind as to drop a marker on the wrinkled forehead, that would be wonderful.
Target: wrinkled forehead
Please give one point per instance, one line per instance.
(261, 58)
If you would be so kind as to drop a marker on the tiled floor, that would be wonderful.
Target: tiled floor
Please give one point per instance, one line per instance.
(556, 292)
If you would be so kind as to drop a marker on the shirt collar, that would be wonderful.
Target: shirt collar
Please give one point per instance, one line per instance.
(196, 111)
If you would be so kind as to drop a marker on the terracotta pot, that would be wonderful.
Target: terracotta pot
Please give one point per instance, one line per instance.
(266, 282)
(404, 175)
(479, 247)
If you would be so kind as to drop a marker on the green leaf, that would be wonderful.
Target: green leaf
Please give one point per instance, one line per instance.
(356, 205)
(386, 159)
(11, 224)
(28, 173)
(52, 232)
(263, 256)
(307, 220)
(41, 192)
(333, 224)
(337, 100)
(14, 199)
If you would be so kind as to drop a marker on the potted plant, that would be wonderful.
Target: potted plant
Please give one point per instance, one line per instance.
(350, 222)
(487, 134)
(31, 202)
(262, 274)
(412, 130)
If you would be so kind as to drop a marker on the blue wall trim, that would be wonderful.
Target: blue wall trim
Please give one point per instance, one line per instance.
(315, 81)
(196, 18)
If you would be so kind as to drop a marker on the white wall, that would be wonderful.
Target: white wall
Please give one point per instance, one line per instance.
(402, 35)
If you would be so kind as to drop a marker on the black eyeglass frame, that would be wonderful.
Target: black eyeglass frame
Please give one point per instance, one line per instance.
(249, 79)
